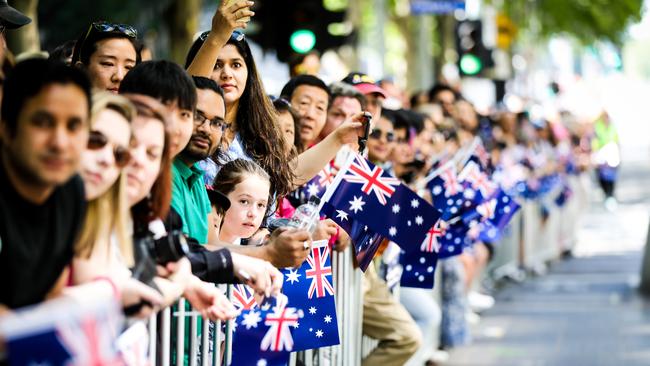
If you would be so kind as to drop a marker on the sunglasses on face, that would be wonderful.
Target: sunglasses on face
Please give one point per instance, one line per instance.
(97, 140)
(377, 134)
(215, 123)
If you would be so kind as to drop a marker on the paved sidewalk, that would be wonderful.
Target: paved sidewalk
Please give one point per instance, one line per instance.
(585, 310)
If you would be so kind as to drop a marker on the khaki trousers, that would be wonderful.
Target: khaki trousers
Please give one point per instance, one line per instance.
(387, 321)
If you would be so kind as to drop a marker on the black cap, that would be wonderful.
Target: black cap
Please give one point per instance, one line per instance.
(217, 198)
(12, 18)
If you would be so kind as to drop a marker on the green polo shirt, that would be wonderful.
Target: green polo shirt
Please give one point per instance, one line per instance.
(190, 200)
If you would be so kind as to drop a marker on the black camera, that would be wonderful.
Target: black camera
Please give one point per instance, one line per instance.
(169, 248)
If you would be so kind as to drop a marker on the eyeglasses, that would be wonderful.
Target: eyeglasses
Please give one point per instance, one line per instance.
(97, 140)
(215, 123)
(2, 29)
(235, 36)
(377, 133)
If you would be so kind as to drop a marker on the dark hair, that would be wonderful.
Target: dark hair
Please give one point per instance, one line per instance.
(29, 77)
(157, 204)
(281, 105)
(438, 88)
(257, 121)
(86, 45)
(297, 59)
(311, 80)
(63, 51)
(162, 80)
(341, 89)
(204, 83)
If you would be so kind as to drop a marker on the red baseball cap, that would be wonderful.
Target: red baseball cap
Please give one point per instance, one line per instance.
(364, 83)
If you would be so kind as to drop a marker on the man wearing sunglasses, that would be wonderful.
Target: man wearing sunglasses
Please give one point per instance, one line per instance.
(189, 195)
(43, 131)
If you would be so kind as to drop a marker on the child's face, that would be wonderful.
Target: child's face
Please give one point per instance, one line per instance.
(248, 200)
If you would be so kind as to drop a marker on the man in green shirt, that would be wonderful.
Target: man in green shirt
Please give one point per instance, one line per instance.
(189, 196)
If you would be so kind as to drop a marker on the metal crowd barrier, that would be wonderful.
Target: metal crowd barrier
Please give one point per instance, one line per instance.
(210, 351)
(531, 242)
(528, 244)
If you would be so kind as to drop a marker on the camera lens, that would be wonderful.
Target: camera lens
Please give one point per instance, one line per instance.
(170, 248)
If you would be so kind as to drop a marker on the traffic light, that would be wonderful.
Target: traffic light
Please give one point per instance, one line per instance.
(290, 27)
(473, 57)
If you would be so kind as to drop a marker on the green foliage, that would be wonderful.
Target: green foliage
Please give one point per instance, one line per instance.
(586, 20)
(62, 20)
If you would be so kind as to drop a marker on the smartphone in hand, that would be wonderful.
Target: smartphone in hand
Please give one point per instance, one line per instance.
(367, 117)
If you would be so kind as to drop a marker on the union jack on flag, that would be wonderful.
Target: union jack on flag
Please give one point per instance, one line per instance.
(327, 174)
(372, 179)
(486, 209)
(473, 174)
(243, 297)
(318, 272)
(278, 337)
(431, 243)
(63, 332)
(451, 184)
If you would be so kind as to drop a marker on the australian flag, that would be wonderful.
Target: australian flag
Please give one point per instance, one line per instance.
(311, 289)
(264, 336)
(381, 202)
(455, 238)
(365, 241)
(494, 215)
(63, 333)
(446, 191)
(318, 184)
(473, 176)
(419, 263)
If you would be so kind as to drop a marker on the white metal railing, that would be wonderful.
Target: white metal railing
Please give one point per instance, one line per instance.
(527, 243)
(211, 347)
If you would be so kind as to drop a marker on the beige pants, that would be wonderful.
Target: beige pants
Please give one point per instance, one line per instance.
(387, 321)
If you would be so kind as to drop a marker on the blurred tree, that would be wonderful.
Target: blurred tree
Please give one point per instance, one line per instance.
(25, 39)
(586, 20)
(182, 18)
(62, 20)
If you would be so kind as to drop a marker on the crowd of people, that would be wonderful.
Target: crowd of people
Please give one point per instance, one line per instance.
(144, 181)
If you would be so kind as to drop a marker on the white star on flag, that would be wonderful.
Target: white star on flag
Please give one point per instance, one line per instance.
(312, 189)
(251, 319)
(292, 276)
(261, 362)
(392, 231)
(327, 319)
(319, 333)
(357, 204)
(342, 215)
(312, 310)
(436, 190)
(396, 208)
(415, 203)
(419, 220)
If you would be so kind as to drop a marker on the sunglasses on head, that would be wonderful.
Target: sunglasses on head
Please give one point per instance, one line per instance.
(235, 36)
(106, 27)
(97, 140)
(377, 133)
